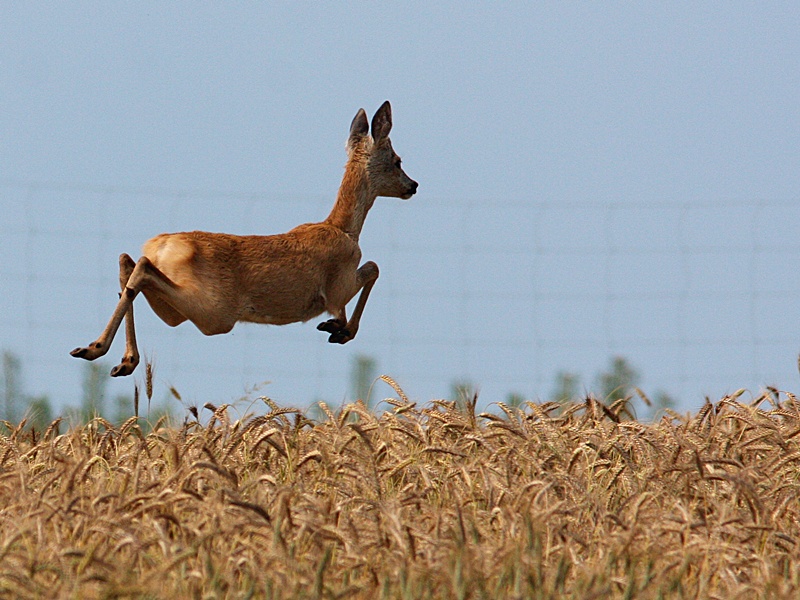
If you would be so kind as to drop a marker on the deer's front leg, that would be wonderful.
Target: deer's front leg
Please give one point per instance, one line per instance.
(342, 330)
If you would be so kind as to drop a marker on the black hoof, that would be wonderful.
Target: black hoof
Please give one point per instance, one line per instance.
(121, 371)
(125, 367)
(79, 352)
(340, 337)
(331, 326)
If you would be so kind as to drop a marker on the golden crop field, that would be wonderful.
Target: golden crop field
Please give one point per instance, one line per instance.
(426, 501)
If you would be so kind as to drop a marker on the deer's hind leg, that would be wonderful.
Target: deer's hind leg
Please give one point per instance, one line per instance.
(130, 360)
(342, 330)
(132, 280)
(102, 344)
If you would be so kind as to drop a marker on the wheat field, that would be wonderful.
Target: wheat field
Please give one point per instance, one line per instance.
(434, 501)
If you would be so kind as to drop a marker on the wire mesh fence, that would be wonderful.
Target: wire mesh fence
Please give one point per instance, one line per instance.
(701, 297)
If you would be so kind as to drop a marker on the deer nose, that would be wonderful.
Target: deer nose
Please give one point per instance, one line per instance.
(413, 187)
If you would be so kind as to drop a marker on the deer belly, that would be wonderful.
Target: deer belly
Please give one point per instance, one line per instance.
(274, 311)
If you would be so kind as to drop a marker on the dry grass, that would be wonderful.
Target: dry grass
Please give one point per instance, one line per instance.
(431, 502)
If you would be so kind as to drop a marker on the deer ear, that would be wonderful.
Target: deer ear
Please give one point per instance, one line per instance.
(382, 122)
(359, 127)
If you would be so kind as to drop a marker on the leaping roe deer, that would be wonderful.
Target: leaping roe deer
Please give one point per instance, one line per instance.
(217, 279)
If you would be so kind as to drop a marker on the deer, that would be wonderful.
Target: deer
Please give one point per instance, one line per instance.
(215, 280)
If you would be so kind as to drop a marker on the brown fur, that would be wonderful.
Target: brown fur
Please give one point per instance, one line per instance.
(215, 280)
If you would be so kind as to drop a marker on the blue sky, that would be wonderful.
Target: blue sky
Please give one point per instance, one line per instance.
(529, 126)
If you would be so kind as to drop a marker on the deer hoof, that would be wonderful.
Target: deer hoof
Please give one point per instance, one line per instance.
(340, 337)
(126, 366)
(122, 369)
(331, 326)
(91, 352)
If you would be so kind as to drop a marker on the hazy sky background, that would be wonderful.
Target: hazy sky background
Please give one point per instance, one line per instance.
(654, 144)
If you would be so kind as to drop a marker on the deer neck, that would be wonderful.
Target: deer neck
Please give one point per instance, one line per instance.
(353, 201)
